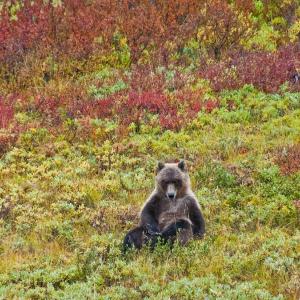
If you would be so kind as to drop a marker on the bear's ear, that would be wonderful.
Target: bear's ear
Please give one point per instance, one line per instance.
(182, 166)
(160, 166)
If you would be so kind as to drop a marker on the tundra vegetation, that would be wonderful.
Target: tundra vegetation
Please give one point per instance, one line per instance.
(93, 93)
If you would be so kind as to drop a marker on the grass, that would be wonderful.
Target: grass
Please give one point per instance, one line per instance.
(66, 205)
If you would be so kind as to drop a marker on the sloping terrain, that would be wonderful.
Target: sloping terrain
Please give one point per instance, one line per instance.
(83, 124)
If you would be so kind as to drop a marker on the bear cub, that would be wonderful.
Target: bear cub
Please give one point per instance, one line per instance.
(170, 213)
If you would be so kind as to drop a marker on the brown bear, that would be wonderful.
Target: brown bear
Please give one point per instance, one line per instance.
(171, 212)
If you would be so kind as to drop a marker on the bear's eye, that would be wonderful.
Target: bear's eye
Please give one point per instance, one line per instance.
(177, 182)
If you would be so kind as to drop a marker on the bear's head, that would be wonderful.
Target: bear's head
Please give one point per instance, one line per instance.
(172, 179)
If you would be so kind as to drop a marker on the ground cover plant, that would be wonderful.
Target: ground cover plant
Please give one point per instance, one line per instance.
(93, 93)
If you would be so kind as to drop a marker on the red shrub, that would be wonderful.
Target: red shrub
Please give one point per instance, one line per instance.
(172, 120)
(192, 103)
(145, 78)
(136, 105)
(6, 112)
(146, 23)
(49, 105)
(154, 102)
(70, 28)
(174, 111)
(75, 27)
(266, 71)
(297, 204)
(10, 136)
(210, 105)
(30, 29)
(102, 108)
(288, 159)
(85, 21)
(225, 25)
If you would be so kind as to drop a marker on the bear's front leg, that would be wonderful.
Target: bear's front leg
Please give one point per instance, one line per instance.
(134, 239)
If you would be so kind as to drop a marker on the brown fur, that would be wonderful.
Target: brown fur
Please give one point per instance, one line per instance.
(160, 213)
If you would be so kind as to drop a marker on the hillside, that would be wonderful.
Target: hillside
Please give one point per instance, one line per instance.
(93, 94)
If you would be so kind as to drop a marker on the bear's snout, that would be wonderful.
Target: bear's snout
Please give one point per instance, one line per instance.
(171, 191)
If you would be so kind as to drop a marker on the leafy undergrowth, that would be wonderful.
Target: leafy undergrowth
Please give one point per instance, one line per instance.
(90, 99)
(68, 198)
